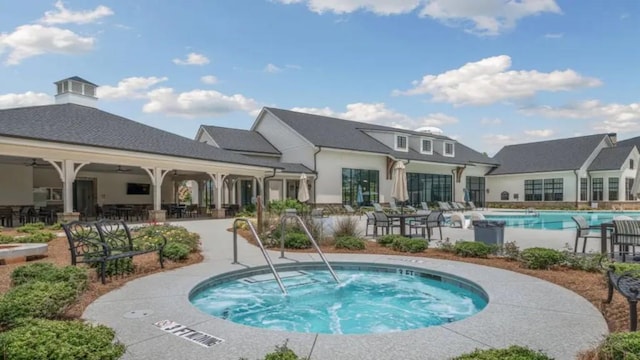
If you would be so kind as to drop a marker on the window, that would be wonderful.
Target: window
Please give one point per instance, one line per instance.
(401, 142)
(360, 187)
(89, 90)
(448, 149)
(613, 188)
(427, 146)
(628, 185)
(631, 164)
(597, 188)
(476, 188)
(533, 190)
(76, 87)
(553, 189)
(583, 189)
(504, 195)
(430, 188)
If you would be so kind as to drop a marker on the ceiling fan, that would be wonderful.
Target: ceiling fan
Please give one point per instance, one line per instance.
(120, 169)
(35, 163)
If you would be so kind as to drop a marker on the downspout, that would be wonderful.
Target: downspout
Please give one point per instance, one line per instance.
(589, 192)
(577, 188)
(315, 170)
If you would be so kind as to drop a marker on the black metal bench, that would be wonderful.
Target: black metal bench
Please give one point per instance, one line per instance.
(99, 242)
(627, 283)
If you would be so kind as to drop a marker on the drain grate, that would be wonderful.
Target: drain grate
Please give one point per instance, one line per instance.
(184, 332)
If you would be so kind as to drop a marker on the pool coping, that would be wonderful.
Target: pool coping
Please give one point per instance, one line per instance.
(522, 310)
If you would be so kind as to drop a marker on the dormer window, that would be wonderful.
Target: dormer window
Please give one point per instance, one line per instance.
(426, 146)
(449, 149)
(401, 143)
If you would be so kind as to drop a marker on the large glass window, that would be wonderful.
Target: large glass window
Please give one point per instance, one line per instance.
(476, 189)
(584, 185)
(428, 187)
(360, 187)
(533, 190)
(553, 189)
(597, 188)
(614, 184)
(628, 184)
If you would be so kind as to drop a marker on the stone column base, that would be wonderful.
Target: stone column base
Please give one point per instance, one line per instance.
(68, 217)
(159, 216)
(218, 213)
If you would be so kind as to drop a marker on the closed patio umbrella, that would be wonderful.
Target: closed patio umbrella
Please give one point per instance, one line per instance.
(399, 191)
(303, 190)
(359, 196)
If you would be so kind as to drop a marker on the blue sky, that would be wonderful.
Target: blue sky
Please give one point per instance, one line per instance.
(487, 72)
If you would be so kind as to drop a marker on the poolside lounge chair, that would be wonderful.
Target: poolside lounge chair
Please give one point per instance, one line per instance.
(471, 205)
(444, 206)
(378, 207)
(584, 231)
(349, 209)
(394, 208)
(424, 206)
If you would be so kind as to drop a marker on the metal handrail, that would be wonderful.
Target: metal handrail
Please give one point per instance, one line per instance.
(313, 241)
(264, 252)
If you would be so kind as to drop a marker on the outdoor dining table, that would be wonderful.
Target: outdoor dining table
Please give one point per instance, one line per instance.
(403, 220)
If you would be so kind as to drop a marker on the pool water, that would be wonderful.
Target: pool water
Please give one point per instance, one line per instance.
(364, 302)
(558, 220)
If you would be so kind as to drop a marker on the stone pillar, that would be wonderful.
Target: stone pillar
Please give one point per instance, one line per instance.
(158, 216)
(66, 217)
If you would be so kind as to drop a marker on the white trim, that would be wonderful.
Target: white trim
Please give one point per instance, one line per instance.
(396, 136)
(444, 148)
(422, 151)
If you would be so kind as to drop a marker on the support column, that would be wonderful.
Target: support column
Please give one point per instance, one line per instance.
(218, 180)
(67, 170)
(157, 176)
(284, 189)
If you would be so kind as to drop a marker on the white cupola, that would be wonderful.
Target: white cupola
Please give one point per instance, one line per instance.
(76, 90)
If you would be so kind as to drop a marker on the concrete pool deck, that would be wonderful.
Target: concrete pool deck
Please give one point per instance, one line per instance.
(522, 310)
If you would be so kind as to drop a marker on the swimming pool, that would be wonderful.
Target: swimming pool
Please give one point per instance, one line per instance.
(369, 299)
(557, 220)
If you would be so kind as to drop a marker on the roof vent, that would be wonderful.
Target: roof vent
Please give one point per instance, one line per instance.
(76, 90)
(430, 130)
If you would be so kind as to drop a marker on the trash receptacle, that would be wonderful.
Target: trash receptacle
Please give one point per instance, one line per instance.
(489, 232)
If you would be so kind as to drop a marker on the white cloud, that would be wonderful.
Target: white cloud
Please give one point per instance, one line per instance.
(488, 121)
(293, 66)
(192, 59)
(612, 117)
(489, 81)
(380, 7)
(378, 113)
(31, 40)
(539, 133)
(129, 88)
(209, 79)
(64, 16)
(270, 68)
(29, 98)
(554, 35)
(486, 17)
(197, 103)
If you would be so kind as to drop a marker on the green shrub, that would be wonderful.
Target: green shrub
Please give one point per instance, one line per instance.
(511, 353)
(36, 237)
(47, 272)
(346, 226)
(6, 239)
(148, 237)
(278, 206)
(409, 245)
(584, 262)
(282, 353)
(296, 240)
(619, 346)
(350, 243)
(176, 251)
(446, 245)
(388, 239)
(620, 267)
(472, 249)
(60, 340)
(36, 299)
(541, 258)
(30, 228)
(55, 227)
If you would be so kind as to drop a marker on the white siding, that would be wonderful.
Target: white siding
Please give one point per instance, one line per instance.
(16, 185)
(294, 148)
(514, 184)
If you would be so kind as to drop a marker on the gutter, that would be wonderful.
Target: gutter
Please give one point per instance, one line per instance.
(315, 170)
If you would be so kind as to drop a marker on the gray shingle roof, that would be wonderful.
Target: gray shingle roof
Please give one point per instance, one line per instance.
(77, 78)
(611, 158)
(82, 125)
(544, 156)
(633, 141)
(336, 133)
(240, 140)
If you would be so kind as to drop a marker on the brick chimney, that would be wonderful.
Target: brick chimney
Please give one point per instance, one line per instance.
(76, 90)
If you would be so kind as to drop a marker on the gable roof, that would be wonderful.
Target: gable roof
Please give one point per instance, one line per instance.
(545, 156)
(611, 158)
(633, 141)
(240, 140)
(342, 134)
(83, 125)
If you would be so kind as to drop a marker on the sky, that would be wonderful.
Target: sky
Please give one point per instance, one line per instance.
(488, 73)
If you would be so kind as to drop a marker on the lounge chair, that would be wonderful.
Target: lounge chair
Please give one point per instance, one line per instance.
(444, 206)
(350, 210)
(584, 231)
(378, 207)
(424, 206)
(394, 208)
(471, 205)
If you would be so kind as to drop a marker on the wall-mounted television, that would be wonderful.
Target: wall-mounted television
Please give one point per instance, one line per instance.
(138, 189)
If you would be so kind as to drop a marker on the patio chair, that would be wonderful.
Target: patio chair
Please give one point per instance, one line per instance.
(435, 219)
(394, 208)
(350, 210)
(584, 231)
(382, 221)
(377, 207)
(371, 221)
(626, 233)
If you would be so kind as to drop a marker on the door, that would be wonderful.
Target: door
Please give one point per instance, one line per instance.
(83, 197)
